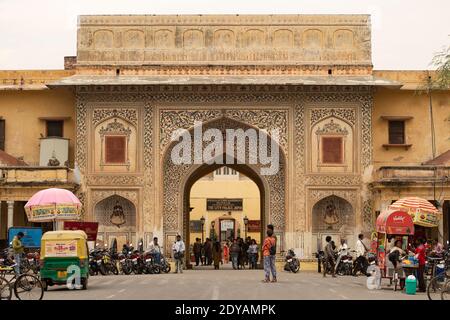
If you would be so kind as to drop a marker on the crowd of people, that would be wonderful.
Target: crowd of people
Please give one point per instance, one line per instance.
(241, 252)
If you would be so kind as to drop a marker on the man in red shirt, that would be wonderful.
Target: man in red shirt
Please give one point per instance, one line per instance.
(421, 256)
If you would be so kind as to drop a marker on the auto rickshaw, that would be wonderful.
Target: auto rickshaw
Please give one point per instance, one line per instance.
(62, 253)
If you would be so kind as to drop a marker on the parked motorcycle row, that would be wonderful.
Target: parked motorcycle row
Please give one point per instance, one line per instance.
(30, 261)
(346, 265)
(105, 261)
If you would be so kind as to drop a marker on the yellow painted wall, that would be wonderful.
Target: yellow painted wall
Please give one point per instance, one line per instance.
(394, 102)
(21, 111)
(245, 189)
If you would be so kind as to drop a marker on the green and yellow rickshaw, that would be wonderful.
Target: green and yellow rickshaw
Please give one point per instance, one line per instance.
(64, 256)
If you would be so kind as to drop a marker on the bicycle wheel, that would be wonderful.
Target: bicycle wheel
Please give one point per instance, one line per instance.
(435, 287)
(5, 289)
(445, 292)
(28, 287)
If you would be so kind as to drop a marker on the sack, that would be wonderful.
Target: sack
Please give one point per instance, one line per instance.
(273, 249)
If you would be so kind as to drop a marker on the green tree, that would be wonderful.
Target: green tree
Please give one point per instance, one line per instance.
(441, 61)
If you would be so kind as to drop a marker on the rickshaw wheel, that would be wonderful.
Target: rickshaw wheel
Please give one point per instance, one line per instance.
(84, 283)
(28, 287)
(5, 289)
(44, 284)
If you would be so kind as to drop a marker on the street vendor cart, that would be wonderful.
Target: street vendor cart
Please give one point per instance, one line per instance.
(393, 223)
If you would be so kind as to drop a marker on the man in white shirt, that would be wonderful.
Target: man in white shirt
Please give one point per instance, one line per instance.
(343, 251)
(178, 254)
(155, 250)
(361, 262)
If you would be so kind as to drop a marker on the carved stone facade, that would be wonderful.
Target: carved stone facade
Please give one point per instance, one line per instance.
(290, 195)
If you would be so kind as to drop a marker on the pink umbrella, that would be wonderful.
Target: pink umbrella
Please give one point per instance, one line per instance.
(53, 204)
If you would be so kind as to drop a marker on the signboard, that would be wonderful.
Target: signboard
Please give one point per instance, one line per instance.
(195, 226)
(254, 226)
(32, 236)
(61, 248)
(224, 204)
(91, 228)
(44, 213)
(425, 219)
(226, 224)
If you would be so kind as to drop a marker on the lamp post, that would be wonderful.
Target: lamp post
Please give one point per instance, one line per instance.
(202, 220)
(213, 223)
(245, 225)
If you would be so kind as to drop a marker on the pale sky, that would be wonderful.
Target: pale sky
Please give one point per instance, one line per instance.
(37, 34)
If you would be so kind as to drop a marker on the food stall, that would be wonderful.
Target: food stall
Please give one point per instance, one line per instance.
(392, 223)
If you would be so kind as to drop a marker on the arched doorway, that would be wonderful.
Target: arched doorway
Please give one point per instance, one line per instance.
(116, 216)
(333, 216)
(222, 224)
(178, 179)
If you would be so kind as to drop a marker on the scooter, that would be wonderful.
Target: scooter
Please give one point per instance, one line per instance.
(292, 263)
(345, 265)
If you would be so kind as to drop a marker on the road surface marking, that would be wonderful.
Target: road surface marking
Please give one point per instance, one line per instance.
(215, 294)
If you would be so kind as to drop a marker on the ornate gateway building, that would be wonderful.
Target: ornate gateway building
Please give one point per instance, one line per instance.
(351, 139)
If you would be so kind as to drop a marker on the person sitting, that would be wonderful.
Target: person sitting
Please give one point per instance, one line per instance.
(395, 253)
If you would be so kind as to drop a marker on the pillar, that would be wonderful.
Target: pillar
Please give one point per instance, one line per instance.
(10, 213)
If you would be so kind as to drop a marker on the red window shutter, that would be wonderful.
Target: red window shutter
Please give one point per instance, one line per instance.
(332, 150)
(115, 149)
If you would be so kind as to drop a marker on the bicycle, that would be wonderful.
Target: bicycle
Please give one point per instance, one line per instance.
(25, 286)
(435, 287)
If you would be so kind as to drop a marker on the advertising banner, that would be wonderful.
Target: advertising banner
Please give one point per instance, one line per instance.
(61, 248)
(32, 236)
(91, 228)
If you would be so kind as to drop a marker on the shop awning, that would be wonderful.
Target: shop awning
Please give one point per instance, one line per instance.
(423, 212)
(394, 221)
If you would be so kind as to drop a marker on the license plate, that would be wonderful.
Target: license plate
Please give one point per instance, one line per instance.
(148, 260)
(62, 274)
(289, 260)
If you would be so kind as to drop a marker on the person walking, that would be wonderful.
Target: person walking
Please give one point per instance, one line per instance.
(178, 254)
(234, 252)
(269, 251)
(361, 263)
(421, 256)
(208, 252)
(226, 252)
(197, 251)
(217, 254)
(252, 254)
(329, 258)
(18, 250)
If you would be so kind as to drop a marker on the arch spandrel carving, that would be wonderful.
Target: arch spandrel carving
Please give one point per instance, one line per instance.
(175, 175)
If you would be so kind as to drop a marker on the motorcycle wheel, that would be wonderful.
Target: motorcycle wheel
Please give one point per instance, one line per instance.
(156, 269)
(166, 268)
(91, 272)
(114, 269)
(103, 270)
(295, 267)
(126, 269)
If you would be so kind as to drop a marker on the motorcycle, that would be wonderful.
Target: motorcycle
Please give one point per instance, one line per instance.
(150, 265)
(164, 264)
(107, 264)
(125, 264)
(33, 261)
(292, 263)
(138, 263)
(362, 263)
(345, 265)
(95, 260)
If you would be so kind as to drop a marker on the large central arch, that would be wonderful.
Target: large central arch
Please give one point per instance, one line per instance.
(178, 179)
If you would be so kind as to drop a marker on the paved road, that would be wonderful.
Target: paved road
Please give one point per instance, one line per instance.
(227, 284)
